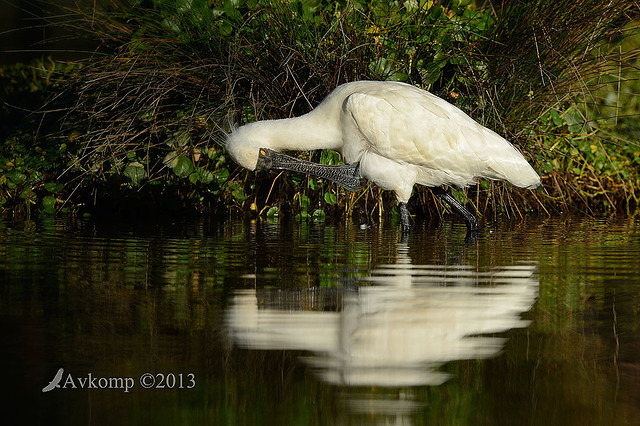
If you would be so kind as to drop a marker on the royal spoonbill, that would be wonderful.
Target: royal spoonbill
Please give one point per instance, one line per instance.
(392, 134)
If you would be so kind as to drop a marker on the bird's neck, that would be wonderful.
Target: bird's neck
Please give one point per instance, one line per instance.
(305, 133)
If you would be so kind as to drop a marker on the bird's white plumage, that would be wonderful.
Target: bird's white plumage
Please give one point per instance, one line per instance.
(400, 135)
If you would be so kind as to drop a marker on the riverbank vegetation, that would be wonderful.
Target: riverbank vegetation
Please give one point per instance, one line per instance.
(139, 124)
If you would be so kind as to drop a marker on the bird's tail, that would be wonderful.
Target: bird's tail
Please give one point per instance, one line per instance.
(517, 171)
(505, 162)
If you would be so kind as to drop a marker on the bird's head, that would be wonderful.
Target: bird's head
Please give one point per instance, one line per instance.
(244, 143)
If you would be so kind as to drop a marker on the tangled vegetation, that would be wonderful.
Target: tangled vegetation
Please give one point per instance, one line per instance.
(141, 120)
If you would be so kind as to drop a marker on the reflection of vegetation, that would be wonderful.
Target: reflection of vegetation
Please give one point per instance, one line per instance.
(129, 302)
(143, 116)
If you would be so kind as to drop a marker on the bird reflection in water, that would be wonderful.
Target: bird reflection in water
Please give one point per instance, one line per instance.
(400, 328)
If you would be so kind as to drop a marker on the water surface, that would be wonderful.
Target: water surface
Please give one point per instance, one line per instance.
(282, 323)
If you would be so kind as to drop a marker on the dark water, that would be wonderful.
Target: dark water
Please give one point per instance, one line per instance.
(279, 323)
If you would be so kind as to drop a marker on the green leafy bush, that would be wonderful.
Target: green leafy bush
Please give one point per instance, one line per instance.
(151, 108)
(31, 158)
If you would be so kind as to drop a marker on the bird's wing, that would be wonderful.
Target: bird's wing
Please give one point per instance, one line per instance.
(416, 128)
(408, 125)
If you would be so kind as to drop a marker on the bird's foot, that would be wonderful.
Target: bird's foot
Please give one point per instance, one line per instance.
(405, 219)
(469, 218)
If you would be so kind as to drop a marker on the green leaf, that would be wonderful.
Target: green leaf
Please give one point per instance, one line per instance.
(135, 171)
(171, 159)
(329, 157)
(28, 195)
(238, 193)
(222, 175)
(574, 120)
(330, 198)
(431, 69)
(53, 187)
(395, 213)
(304, 204)
(204, 175)
(49, 204)
(295, 179)
(555, 117)
(16, 177)
(182, 138)
(384, 68)
(273, 212)
(318, 215)
(212, 153)
(184, 167)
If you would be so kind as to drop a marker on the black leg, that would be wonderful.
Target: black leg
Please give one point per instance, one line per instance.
(347, 175)
(469, 218)
(404, 218)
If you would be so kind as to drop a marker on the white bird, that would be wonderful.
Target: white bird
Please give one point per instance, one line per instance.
(393, 134)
